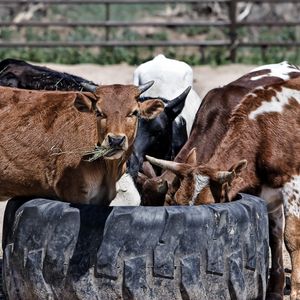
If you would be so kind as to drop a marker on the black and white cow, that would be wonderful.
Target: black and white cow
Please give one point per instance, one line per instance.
(157, 135)
(166, 135)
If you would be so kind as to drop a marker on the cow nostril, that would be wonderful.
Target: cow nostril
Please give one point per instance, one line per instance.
(122, 140)
(110, 140)
(116, 141)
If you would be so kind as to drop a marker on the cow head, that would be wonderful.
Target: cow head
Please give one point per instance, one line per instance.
(152, 188)
(198, 184)
(118, 109)
(154, 136)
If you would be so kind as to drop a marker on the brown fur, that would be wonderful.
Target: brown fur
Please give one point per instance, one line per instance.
(36, 125)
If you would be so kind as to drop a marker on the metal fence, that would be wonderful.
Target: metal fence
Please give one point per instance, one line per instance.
(232, 41)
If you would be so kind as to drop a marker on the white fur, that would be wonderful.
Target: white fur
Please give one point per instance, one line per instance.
(291, 198)
(200, 183)
(281, 70)
(277, 103)
(171, 77)
(127, 194)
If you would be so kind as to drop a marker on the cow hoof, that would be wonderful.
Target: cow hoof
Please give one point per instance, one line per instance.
(55, 250)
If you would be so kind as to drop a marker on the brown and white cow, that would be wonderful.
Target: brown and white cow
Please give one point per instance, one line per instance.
(44, 136)
(264, 134)
(211, 124)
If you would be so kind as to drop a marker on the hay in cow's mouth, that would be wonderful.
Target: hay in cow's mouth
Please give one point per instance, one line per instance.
(96, 153)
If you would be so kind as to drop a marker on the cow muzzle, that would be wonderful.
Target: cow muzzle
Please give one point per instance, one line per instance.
(118, 145)
(116, 142)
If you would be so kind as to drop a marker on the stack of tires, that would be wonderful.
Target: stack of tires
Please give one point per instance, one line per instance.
(55, 250)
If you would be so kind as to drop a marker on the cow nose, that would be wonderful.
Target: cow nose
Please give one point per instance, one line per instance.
(116, 141)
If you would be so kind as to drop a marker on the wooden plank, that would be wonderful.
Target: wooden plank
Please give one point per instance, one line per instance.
(117, 44)
(115, 24)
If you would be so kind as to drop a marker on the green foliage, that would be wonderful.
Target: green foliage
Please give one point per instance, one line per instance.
(192, 31)
(137, 55)
(133, 55)
(6, 34)
(268, 55)
(159, 36)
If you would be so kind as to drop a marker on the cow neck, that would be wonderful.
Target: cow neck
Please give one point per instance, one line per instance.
(114, 171)
(241, 142)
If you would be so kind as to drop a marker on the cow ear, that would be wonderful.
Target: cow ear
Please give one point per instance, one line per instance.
(148, 169)
(233, 172)
(192, 158)
(141, 179)
(150, 109)
(83, 103)
(239, 167)
(175, 106)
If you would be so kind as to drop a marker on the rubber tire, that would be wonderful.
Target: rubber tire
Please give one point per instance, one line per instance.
(55, 250)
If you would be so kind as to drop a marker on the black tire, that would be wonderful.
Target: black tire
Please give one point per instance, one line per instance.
(54, 250)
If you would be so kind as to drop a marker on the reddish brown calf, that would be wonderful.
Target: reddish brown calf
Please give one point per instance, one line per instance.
(44, 136)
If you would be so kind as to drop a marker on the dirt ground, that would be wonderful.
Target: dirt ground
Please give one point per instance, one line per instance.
(205, 78)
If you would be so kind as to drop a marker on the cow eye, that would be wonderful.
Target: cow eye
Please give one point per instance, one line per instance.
(100, 114)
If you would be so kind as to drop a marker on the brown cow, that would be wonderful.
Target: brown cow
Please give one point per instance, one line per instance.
(210, 126)
(44, 136)
(265, 130)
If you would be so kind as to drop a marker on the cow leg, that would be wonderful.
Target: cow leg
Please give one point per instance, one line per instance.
(292, 242)
(276, 280)
(291, 196)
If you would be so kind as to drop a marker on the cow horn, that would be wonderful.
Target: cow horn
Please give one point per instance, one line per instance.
(146, 86)
(177, 168)
(89, 87)
(182, 95)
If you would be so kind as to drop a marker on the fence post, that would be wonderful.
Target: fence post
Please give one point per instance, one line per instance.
(232, 30)
(202, 53)
(107, 18)
(264, 49)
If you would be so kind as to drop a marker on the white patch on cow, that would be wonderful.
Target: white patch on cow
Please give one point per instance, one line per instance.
(252, 95)
(273, 197)
(277, 102)
(291, 197)
(200, 183)
(281, 70)
(127, 194)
